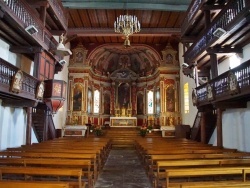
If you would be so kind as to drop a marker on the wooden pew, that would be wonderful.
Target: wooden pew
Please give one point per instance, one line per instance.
(204, 172)
(201, 163)
(29, 184)
(48, 172)
(91, 157)
(85, 165)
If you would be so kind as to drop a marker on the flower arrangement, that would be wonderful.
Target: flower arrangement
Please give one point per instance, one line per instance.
(143, 130)
(149, 128)
(98, 130)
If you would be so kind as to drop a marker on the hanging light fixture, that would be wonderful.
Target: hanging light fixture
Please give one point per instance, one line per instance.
(127, 25)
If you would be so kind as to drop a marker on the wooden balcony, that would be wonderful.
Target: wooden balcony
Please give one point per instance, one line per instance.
(221, 90)
(29, 83)
(16, 15)
(193, 14)
(234, 19)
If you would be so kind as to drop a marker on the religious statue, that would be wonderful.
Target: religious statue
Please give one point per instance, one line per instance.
(123, 112)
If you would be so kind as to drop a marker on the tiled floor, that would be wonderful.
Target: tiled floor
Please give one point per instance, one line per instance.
(123, 170)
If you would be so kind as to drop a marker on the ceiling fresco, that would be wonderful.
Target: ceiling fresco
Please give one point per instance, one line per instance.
(141, 59)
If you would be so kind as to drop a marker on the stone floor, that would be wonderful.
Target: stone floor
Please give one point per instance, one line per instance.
(123, 170)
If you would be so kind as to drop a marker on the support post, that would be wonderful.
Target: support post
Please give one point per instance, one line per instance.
(29, 123)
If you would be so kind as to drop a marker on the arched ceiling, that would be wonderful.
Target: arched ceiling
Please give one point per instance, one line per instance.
(141, 59)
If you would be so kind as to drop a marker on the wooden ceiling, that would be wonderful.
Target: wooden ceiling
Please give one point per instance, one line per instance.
(93, 21)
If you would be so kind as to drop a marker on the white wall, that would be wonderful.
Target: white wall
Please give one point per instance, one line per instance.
(12, 120)
(188, 118)
(235, 122)
(60, 117)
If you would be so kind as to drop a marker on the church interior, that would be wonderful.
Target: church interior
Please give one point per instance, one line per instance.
(124, 93)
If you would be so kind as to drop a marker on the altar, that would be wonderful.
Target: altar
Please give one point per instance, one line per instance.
(168, 131)
(123, 121)
(74, 130)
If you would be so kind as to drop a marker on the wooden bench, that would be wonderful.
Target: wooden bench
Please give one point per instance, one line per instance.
(92, 157)
(48, 172)
(85, 165)
(29, 184)
(164, 165)
(204, 172)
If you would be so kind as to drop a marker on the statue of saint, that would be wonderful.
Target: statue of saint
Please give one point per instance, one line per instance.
(123, 111)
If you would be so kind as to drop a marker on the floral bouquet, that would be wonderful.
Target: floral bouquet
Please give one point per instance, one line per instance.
(98, 130)
(143, 130)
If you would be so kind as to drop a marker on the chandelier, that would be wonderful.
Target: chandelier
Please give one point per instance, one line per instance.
(127, 25)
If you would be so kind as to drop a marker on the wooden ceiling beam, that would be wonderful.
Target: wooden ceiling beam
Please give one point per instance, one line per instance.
(19, 103)
(25, 49)
(212, 7)
(174, 6)
(110, 32)
(217, 50)
(231, 104)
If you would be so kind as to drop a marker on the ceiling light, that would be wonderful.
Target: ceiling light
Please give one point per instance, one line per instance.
(127, 25)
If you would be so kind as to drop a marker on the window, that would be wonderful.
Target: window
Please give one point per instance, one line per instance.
(150, 102)
(96, 101)
(234, 61)
(186, 99)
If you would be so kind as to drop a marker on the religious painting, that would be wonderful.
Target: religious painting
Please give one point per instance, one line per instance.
(106, 103)
(170, 97)
(124, 95)
(77, 97)
(79, 55)
(89, 100)
(140, 104)
(169, 56)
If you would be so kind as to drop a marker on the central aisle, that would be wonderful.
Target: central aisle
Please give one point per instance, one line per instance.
(123, 170)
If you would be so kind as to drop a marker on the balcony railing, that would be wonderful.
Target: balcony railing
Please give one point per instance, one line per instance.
(191, 13)
(226, 19)
(23, 14)
(220, 85)
(59, 12)
(29, 83)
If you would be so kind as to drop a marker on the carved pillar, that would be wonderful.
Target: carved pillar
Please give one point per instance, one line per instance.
(85, 109)
(29, 122)
(219, 127)
(203, 127)
(112, 99)
(46, 124)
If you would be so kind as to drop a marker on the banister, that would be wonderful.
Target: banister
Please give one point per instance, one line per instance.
(226, 20)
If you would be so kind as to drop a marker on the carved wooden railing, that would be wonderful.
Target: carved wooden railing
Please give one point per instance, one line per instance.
(29, 83)
(220, 85)
(24, 16)
(58, 10)
(192, 11)
(227, 19)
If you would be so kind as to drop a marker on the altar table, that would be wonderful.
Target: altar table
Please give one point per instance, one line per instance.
(123, 121)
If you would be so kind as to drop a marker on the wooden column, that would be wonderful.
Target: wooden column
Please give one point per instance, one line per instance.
(219, 127)
(46, 124)
(203, 127)
(214, 65)
(29, 124)
(207, 18)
